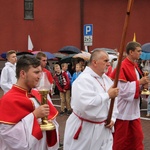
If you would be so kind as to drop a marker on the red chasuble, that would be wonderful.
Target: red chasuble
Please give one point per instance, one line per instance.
(127, 73)
(15, 105)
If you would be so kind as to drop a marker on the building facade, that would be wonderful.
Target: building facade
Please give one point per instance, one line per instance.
(53, 24)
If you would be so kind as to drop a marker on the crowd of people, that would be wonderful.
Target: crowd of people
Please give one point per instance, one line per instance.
(85, 93)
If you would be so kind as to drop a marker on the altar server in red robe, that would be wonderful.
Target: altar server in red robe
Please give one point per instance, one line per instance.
(43, 60)
(21, 112)
(128, 133)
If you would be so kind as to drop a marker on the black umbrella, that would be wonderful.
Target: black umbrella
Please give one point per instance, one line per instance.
(59, 55)
(70, 50)
(66, 59)
(20, 54)
(146, 47)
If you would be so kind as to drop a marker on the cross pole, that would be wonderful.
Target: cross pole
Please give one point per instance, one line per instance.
(129, 6)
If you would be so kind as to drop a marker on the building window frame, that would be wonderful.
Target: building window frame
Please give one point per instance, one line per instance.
(29, 9)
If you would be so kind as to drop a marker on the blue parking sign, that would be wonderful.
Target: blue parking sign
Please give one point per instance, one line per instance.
(88, 29)
(88, 34)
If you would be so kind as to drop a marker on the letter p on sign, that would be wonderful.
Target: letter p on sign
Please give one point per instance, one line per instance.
(88, 29)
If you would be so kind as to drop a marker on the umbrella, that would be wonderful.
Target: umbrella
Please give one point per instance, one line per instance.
(145, 56)
(146, 47)
(3, 55)
(112, 57)
(84, 55)
(66, 59)
(145, 51)
(70, 50)
(108, 50)
(48, 54)
(20, 54)
(59, 55)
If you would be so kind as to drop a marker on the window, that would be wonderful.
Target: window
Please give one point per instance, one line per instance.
(28, 9)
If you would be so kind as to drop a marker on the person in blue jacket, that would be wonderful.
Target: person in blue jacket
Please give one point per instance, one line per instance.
(77, 73)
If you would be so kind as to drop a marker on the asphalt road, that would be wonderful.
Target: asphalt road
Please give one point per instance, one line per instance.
(145, 122)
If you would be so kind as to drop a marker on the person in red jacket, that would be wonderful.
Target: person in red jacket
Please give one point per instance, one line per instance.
(63, 84)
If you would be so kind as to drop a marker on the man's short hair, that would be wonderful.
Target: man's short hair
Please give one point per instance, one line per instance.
(96, 54)
(10, 52)
(132, 46)
(39, 55)
(24, 63)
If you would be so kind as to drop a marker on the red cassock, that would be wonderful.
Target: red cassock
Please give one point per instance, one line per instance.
(128, 133)
(127, 73)
(16, 104)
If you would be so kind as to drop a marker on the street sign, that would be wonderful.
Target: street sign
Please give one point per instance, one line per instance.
(88, 34)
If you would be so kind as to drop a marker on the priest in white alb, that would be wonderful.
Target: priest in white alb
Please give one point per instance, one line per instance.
(92, 92)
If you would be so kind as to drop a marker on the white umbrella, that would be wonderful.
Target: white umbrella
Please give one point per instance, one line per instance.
(84, 55)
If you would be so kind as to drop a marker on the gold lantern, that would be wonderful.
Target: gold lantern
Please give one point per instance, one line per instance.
(44, 89)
